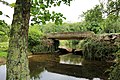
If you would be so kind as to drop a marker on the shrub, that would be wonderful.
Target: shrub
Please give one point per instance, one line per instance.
(4, 38)
(46, 46)
(3, 54)
(34, 37)
(93, 49)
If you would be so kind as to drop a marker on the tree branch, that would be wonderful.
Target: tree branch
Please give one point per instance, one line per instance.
(4, 2)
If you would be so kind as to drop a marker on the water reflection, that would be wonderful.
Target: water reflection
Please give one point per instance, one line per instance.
(3, 72)
(45, 75)
(47, 67)
(71, 59)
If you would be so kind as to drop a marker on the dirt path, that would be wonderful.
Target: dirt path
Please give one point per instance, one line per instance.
(2, 60)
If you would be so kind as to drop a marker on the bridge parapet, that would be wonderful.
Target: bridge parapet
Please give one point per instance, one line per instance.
(70, 35)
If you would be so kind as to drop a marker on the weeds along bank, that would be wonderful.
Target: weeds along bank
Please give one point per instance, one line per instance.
(95, 50)
(104, 47)
(44, 46)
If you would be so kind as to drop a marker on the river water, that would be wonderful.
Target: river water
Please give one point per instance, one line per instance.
(64, 67)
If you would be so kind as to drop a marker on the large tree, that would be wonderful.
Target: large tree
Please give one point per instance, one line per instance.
(17, 64)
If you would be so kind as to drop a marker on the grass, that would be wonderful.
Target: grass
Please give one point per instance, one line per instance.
(3, 54)
(3, 49)
(3, 46)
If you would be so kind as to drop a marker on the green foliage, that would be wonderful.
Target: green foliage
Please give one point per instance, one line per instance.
(1, 13)
(41, 14)
(94, 14)
(50, 28)
(4, 38)
(111, 24)
(72, 27)
(3, 46)
(65, 27)
(3, 54)
(34, 36)
(74, 43)
(113, 7)
(98, 50)
(3, 49)
(103, 18)
(4, 27)
(4, 2)
(81, 44)
(36, 43)
(69, 43)
(93, 18)
(115, 72)
(12, 5)
(45, 46)
(4, 31)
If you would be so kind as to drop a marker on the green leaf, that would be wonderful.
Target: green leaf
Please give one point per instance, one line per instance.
(1, 13)
(7, 16)
(1, 22)
(53, 12)
(36, 2)
(42, 6)
(12, 5)
(59, 3)
(55, 5)
(64, 17)
(2, 33)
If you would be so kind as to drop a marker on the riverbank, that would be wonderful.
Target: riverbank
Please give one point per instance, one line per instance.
(40, 57)
(2, 61)
(3, 57)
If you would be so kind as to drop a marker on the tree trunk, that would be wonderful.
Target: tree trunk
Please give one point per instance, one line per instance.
(17, 64)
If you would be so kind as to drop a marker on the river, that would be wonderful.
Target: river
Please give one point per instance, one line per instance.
(64, 67)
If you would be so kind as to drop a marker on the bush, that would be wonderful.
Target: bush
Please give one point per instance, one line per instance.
(93, 49)
(4, 46)
(4, 38)
(34, 37)
(115, 72)
(45, 46)
(38, 43)
(3, 54)
(3, 49)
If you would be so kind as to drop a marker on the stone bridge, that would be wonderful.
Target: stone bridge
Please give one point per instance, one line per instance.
(50, 42)
(83, 35)
(70, 35)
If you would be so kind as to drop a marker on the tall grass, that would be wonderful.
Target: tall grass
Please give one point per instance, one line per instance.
(93, 50)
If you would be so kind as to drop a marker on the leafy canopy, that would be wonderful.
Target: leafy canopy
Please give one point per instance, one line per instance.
(40, 11)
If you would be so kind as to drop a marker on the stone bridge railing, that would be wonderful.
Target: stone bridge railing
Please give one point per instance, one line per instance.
(70, 35)
(84, 35)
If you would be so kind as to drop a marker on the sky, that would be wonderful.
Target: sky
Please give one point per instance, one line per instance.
(72, 12)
